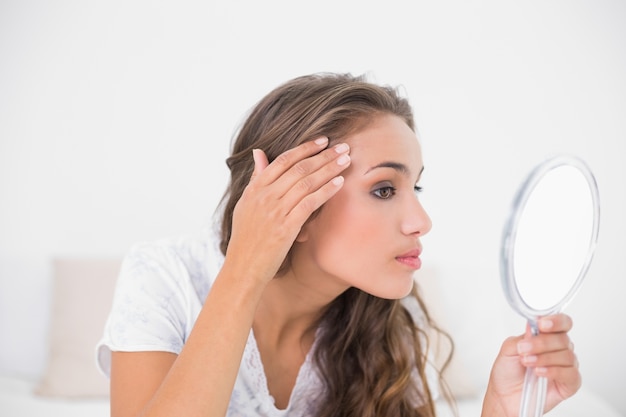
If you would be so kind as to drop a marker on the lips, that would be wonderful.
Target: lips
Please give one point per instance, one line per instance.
(411, 259)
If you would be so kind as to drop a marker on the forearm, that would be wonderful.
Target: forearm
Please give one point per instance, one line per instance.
(201, 379)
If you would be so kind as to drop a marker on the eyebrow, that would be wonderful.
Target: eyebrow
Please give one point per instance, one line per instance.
(401, 168)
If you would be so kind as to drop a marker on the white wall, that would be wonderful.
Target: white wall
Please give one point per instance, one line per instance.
(115, 119)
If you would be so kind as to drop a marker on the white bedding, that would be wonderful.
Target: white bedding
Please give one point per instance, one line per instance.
(17, 400)
(583, 404)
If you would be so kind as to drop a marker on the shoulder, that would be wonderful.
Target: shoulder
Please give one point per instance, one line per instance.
(178, 262)
(159, 292)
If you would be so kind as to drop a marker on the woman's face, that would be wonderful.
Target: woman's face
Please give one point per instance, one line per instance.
(368, 235)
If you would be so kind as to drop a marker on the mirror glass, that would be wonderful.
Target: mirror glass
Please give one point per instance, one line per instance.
(553, 237)
(550, 237)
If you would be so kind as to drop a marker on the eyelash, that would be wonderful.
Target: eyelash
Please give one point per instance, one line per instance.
(377, 193)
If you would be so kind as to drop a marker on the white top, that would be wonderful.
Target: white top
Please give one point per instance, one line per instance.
(159, 294)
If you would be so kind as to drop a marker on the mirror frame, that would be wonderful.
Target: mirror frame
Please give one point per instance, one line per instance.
(507, 272)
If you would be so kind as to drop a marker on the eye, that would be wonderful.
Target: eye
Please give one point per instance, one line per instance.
(384, 193)
(417, 189)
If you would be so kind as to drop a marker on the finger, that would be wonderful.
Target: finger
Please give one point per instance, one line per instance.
(307, 205)
(289, 158)
(567, 378)
(563, 383)
(311, 173)
(543, 343)
(312, 182)
(260, 162)
(555, 323)
(563, 358)
(304, 177)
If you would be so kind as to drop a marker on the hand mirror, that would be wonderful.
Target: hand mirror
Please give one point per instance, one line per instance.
(547, 247)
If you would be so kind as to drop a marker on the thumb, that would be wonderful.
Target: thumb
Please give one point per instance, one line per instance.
(260, 162)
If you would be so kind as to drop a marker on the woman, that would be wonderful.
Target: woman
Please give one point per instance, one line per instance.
(307, 313)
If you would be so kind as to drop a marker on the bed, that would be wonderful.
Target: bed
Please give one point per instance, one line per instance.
(18, 399)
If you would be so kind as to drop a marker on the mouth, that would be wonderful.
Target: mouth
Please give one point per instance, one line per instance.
(411, 259)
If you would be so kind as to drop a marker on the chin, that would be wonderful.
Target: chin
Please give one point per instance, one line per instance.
(392, 292)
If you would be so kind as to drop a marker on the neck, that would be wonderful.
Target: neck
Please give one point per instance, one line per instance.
(289, 310)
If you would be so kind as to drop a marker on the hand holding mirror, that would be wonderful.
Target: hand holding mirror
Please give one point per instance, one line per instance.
(547, 247)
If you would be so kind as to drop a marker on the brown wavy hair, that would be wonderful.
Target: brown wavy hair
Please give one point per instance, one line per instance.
(370, 352)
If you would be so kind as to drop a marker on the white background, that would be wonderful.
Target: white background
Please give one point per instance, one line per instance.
(116, 117)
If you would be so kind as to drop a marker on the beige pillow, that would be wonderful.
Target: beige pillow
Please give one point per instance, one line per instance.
(82, 296)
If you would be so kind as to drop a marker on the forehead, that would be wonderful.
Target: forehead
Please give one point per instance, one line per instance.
(387, 138)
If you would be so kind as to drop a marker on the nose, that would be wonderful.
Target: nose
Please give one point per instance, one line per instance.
(415, 220)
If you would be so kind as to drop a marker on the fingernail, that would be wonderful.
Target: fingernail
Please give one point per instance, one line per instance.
(529, 359)
(342, 148)
(337, 180)
(524, 347)
(321, 141)
(545, 324)
(343, 159)
(541, 371)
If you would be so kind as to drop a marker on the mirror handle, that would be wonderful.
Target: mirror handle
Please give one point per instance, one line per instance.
(535, 388)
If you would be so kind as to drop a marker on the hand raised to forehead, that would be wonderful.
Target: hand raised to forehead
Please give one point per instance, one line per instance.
(279, 199)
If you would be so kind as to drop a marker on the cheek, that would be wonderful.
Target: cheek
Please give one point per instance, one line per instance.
(353, 245)
(347, 238)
